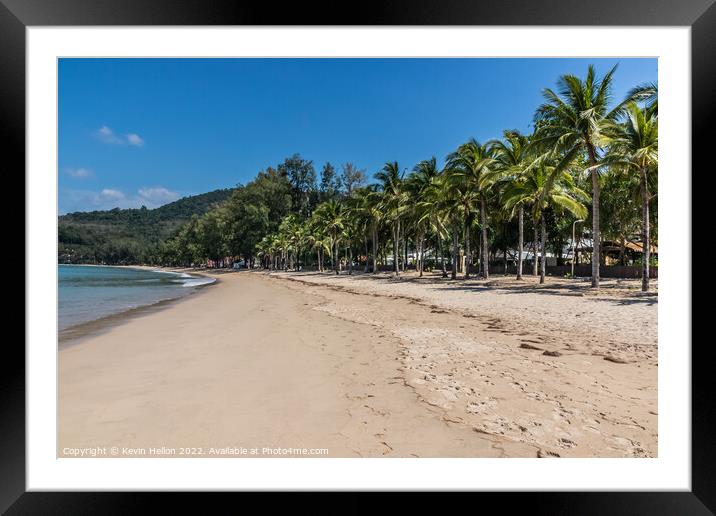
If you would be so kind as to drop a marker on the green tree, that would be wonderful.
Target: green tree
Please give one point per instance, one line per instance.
(367, 209)
(302, 177)
(331, 216)
(511, 159)
(330, 186)
(572, 119)
(473, 160)
(633, 147)
(423, 176)
(546, 185)
(351, 178)
(393, 201)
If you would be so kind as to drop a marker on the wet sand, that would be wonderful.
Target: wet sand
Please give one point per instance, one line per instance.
(369, 367)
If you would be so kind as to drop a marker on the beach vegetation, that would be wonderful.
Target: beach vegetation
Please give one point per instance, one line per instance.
(588, 167)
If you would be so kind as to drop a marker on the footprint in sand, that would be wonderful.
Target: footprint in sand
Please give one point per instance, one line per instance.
(527, 345)
(541, 454)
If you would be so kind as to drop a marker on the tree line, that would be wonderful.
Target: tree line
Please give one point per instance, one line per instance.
(588, 160)
(127, 236)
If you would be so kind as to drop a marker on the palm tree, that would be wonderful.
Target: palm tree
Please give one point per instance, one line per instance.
(368, 208)
(473, 161)
(353, 225)
(647, 92)
(455, 200)
(573, 120)
(466, 200)
(511, 159)
(633, 149)
(331, 215)
(357, 208)
(419, 182)
(393, 202)
(546, 185)
(434, 206)
(263, 251)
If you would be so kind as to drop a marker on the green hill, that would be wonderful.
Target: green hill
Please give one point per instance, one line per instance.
(130, 235)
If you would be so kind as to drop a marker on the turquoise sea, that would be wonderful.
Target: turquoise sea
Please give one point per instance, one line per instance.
(89, 292)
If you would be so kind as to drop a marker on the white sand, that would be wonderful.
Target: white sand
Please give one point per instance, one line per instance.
(367, 366)
(469, 349)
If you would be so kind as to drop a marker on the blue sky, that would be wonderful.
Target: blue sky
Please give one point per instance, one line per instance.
(138, 132)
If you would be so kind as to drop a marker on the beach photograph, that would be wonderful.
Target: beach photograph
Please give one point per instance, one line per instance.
(357, 258)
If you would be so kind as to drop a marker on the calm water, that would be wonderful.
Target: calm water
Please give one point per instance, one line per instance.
(88, 292)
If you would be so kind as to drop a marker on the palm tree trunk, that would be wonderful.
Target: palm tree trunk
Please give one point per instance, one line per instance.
(596, 236)
(335, 255)
(543, 268)
(478, 246)
(421, 258)
(396, 243)
(520, 241)
(442, 256)
(467, 249)
(485, 258)
(367, 258)
(535, 251)
(454, 253)
(350, 259)
(405, 243)
(645, 231)
(375, 249)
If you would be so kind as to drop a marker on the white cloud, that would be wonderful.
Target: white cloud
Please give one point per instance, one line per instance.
(158, 195)
(79, 173)
(107, 135)
(135, 139)
(111, 195)
(109, 198)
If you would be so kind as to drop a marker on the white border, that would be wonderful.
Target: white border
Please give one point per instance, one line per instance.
(671, 470)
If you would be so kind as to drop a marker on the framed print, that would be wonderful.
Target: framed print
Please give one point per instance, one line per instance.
(424, 248)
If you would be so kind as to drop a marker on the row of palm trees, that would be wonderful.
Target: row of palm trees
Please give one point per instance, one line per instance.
(577, 133)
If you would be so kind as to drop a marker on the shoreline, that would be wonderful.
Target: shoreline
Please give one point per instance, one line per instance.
(362, 366)
(76, 333)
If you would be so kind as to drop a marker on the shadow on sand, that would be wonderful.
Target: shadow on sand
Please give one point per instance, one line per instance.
(614, 291)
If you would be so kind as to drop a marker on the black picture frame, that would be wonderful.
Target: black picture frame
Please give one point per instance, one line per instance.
(16, 15)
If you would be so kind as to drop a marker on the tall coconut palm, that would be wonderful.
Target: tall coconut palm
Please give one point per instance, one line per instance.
(546, 185)
(454, 200)
(434, 205)
(317, 238)
(473, 161)
(465, 200)
(393, 202)
(331, 215)
(375, 215)
(312, 241)
(633, 149)
(574, 118)
(419, 181)
(511, 155)
(363, 208)
(354, 224)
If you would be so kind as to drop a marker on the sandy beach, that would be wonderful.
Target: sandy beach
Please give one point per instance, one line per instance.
(296, 364)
